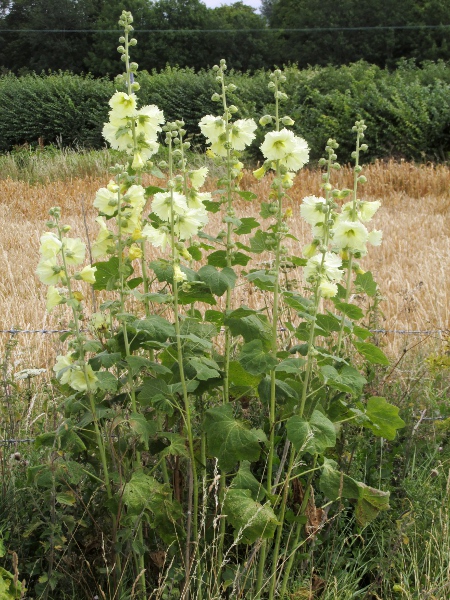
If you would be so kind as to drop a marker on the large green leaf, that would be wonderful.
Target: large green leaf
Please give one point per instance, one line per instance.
(350, 310)
(229, 440)
(372, 353)
(258, 243)
(384, 419)
(250, 327)
(107, 273)
(143, 493)
(250, 519)
(246, 226)
(245, 480)
(370, 502)
(157, 328)
(366, 283)
(218, 281)
(347, 380)
(314, 436)
(255, 358)
(335, 484)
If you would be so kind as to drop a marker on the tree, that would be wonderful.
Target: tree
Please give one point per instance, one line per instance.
(37, 50)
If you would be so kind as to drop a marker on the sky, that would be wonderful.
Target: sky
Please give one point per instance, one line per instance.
(214, 3)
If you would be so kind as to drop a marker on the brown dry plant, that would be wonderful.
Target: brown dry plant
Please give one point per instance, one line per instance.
(411, 266)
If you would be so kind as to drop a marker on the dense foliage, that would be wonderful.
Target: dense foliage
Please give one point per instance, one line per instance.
(188, 34)
(408, 111)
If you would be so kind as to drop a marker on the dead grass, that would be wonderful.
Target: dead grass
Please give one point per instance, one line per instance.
(411, 266)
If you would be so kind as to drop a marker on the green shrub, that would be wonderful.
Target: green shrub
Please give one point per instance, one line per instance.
(408, 110)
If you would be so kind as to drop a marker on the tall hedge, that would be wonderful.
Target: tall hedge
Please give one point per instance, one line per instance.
(407, 110)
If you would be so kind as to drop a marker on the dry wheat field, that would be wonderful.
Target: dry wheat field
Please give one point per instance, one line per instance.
(412, 266)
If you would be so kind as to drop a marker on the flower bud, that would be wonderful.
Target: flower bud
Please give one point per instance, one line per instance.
(232, 87)
(265, 120)
(133, 67)
(233, 109)
(322, 162)
(364, 147)
(215, 97)
(121, 49)
(280, 95)
(122, 39)
(215, 68)
(219, 79)
(362, 179)
(135, 87)
(132, 42)
(123, 58)
(162, 164)
(271, 85)
(287, 121)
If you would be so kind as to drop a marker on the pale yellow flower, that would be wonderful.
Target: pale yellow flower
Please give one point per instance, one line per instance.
(64, 363)
(375, 237)
(50, 245)
(278, 144)
(134, 252)
(350, 234)
(197, 177)
(53, 298)
(119, 138)
(74, 250)
(327, 289)
(148, 121)
(104, 241)
(123, 105)
(190, 222)
(212, 127)
(106, 201)
(135, 196)
(298, 157)
(87, 274)
(178, 275)
(162, 202)
(83, 378)
(49, 271)
(312, 209)
(160, 238)
(242, 133)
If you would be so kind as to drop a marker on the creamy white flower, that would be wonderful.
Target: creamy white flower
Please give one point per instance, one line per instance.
(375, 237)
(328, 266)
(298, 158)
(74, 250)
(120, 138)
(350, 234)
(123, 105)
(138, 162)
(190, 222)
(50, 245)
(148, 121)
(212, 127)
(104, 241)
(135, 196)
(49, 271)
(198, 177)
(178, 274)
(162, 202)
(130, 221)
(218, 147)
(312, 209)
(160, 238)
(278, 144)
(64, 363)
(364, 210)
(242, 133)
(87, 274)
(327, 289)
(106, 201)
(28, 373)
(83, 378)
(196, 200)
(53, 298)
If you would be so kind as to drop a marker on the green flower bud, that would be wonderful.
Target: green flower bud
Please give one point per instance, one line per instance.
(215, 68)
(123, 58)
(362, 179)
(219, 79)
(322, 162)
(233, 109)
(132, 42)
(287, 121)
(135, 86)
(133, 67)
(280, 95)
(358, 169)
(216, 97)
(364, 147)
(232, 87)
(186, 145)
(121, 49)
(265, 120)
(271, 85)
(336, 166)
(162, 164)
(354, 154)
(122, 40)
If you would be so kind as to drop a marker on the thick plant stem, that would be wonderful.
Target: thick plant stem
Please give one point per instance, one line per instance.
(187, 407)
(298, 530)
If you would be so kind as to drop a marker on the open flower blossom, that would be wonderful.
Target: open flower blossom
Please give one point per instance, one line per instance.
(148, 121)
(328, 266)
(87, 274)
(188, 223)
(49, 271)
(160, 238)
(327, 288)
(82, 378)
(242, 133)
(312, 209)
(195, 200)
(50, 245)
(162, 202)
(63, 366)
(104, 241)
(178, 274)
(350, 234)
(119, 138)
(375, 237)
(364, 210)
(74, 250)
(212, 128)
(123, 105)
(298, 158)
(53, 298)
(135, 196)
(198, 177)
(106, 201)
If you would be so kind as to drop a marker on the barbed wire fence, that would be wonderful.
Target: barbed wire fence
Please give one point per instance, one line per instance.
(14, 331)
